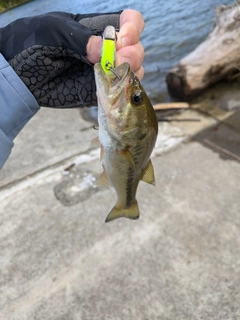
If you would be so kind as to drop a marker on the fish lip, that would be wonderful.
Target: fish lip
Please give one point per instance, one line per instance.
(109, 82)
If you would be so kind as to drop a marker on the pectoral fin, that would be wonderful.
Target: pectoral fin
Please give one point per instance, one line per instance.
(131, 213)
(102, 180)
(148, 174)
(95, 142)
(101, 152)
(128, 156)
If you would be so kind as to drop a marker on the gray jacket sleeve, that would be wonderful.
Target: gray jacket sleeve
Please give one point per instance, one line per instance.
(17, 107)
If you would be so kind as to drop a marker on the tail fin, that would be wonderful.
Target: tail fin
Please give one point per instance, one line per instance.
(132, 212)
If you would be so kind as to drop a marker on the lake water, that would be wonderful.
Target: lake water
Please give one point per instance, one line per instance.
(173, 29)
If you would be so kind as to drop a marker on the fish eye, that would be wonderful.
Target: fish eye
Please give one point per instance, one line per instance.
(137, 97)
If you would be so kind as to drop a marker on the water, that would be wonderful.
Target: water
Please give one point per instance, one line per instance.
(173, 29)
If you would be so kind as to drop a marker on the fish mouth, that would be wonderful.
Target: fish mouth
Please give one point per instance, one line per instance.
(113, 83)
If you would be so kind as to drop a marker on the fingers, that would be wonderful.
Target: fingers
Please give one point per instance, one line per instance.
(128, 47)
(131, 27)
(140, 73)
(134, 55)
(93, 49)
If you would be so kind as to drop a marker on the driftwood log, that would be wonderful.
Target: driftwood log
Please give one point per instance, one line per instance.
(215, 59)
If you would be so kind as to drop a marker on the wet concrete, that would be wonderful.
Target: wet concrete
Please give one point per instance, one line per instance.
(180, 260)
(77, 184)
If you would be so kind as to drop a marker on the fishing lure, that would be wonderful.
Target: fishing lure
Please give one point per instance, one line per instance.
(107, 60)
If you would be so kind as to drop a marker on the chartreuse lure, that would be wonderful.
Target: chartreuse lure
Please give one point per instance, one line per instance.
(107, 60)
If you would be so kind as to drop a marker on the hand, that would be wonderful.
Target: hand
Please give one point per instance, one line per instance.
(128, 48)
(55, 66)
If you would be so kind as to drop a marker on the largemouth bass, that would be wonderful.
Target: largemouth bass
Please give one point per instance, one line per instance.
(127, 134)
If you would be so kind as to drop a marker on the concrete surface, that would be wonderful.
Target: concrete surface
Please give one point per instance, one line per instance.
(179, 261)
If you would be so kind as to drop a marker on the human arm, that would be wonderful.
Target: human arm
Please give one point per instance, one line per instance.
(17, 106)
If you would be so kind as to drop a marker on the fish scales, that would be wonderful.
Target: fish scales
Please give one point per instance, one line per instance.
(128, 130)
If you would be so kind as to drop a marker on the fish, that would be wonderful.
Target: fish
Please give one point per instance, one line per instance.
(128, 129)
